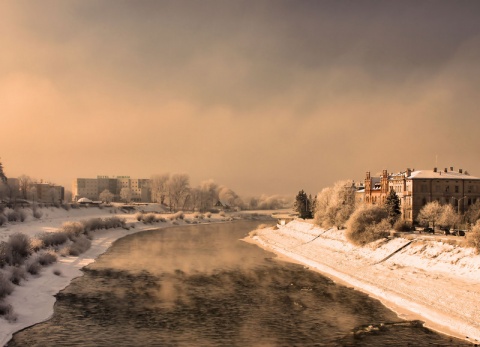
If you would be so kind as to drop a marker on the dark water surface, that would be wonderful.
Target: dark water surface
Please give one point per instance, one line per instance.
(201, 286)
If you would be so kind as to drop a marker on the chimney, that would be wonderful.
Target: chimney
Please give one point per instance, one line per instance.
(451, 168)
(434, 169)
(460, 171)
(446, 170)
(409, 172)
(368, 175)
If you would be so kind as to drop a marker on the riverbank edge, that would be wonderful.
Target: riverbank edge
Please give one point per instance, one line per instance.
(404, 308)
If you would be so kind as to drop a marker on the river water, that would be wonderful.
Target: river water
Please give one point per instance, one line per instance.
(201, 286)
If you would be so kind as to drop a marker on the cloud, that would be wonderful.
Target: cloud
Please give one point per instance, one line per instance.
(306, 92)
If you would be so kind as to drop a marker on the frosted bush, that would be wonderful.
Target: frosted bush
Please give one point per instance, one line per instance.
(402, 225)
(20, 248)
(6, 311)
(73, 229)
(79, 246)
(139, 216)
(93, 224)
(36, 244)
(32, 266)
(3, 219)
(178, 215)
(367, 224)
(13, 216)
(473, 237)
(149, 218)
(17, 274)
(37, 214)
(6, 287)
(46, 258)
(50, 239)
(114, 222)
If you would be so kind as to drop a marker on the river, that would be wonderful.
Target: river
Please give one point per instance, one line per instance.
(202, 286)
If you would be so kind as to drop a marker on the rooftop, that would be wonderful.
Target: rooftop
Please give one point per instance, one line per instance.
(441, 174)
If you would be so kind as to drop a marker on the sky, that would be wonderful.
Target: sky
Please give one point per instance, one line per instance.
(265, 97)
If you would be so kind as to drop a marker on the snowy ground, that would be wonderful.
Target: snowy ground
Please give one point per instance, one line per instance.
(430, 280)
(34, 299)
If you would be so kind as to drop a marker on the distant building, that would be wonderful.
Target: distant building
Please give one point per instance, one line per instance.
(39, 192)
(48, 192)
(417, 188)
(91, 188)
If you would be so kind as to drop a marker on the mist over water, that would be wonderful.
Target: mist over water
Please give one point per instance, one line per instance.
(201, 286)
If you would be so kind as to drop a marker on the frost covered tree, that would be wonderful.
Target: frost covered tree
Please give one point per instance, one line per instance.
(473, 237)
(228, 196)
(159, 186)
(126, 194)
(392, 205)
(24, 182)
(449, 217)
(335, 205)
(106, 196)
(473, 213)
(208, 195)
(178, 189)
(430, 213)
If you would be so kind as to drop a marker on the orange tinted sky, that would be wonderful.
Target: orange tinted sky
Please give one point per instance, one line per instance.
(262, 96)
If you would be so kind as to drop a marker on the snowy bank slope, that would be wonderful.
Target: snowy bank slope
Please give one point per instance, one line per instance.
(433, 280)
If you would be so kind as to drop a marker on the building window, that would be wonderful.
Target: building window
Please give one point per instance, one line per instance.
(456, 189)
(447, 189)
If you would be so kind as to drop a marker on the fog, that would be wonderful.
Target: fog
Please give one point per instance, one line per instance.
(265, 97)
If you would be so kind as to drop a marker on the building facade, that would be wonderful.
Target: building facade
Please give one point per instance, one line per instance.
(47, 192)
(417, 188)
(91, 188)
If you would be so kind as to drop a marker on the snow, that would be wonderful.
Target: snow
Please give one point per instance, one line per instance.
(34, 299)
(428, 279)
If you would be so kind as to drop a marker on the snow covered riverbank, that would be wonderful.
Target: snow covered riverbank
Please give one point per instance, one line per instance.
(430, 280)
(33, 299)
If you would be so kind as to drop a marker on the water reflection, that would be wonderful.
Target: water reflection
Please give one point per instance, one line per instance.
(200, 286)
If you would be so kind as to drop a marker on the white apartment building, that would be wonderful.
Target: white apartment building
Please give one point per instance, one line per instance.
(91, 188)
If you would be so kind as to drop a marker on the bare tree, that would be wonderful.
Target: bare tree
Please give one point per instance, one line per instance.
(33, 192)
(24, 183)
(159, 186)
(195, 198)
(106, 196)
(178, 189)
(208, 195)
(126, 194)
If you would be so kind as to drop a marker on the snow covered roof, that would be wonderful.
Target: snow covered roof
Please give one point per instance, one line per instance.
(84, 200)
(441, 174)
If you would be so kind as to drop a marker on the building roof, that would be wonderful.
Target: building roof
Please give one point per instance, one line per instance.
(441, 174)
